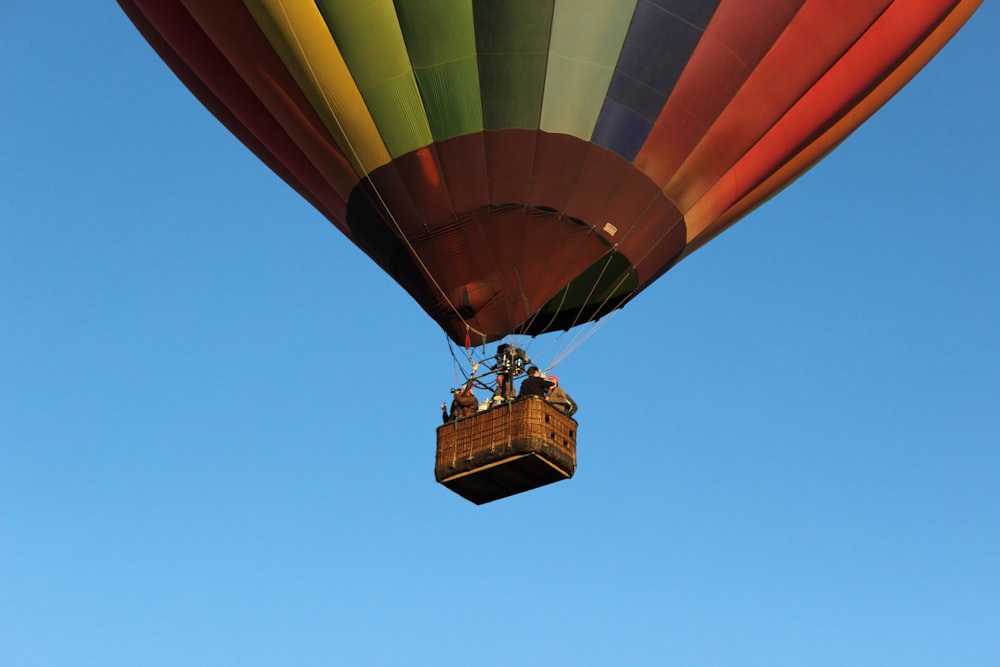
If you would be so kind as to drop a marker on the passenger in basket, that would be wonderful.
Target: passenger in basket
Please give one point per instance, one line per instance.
(504, 390)
(559, 399)
(464, 403)
(534, 384)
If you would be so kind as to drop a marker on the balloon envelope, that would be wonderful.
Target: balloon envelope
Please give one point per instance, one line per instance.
(530, 165)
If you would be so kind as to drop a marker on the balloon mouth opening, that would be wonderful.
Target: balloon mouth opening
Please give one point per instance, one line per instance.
(601, 288)
(572, 255)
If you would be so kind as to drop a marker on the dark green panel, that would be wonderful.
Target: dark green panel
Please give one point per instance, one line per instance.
(511, 88)
(512, 39)
(513, 26)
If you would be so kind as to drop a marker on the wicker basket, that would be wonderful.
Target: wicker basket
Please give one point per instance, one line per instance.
(508, 449)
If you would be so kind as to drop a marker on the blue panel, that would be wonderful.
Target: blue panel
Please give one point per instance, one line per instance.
(657, 49)
(621, 130)
(661, 39)
(698, 12)
(637, 96)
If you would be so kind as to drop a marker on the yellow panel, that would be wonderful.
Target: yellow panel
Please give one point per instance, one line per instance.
(298, 33)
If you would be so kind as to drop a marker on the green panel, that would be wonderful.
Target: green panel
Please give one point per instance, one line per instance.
(437, 31)
(451, 98)
(574, 96)
(587, 37)
(442, 47)
(400, 120)
(369, 37)
(512, 38)
(512, 88)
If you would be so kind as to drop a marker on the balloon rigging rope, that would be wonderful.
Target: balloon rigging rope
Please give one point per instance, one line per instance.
(456, 365)
(586, 332)
(331, 105)
(614, 311)
(571, 346)
(581, 334)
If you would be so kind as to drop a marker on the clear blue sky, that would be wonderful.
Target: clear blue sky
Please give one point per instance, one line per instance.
(217, 417)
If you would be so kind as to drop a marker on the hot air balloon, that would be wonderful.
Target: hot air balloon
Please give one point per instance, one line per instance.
(525, 166)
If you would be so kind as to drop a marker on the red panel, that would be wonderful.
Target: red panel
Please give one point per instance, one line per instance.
(629, 201)
(658, 239)
(738, 37)
(395, 194)
(836, 132)
(815, 40)
(463, 160)
(557, 166)
(601, 172)
(510, 156)
(873, 58)
(521, 257)
(426, 184)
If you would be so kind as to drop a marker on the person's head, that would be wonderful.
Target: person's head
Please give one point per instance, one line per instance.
(533, 371)
(554, 380)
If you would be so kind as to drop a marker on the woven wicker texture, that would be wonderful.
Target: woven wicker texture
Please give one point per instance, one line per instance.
(506, 450)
